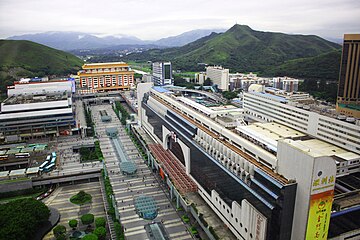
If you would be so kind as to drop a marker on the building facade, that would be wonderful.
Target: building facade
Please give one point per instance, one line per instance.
(263, 181)
(348, 99)
(287, 84)
(219, 76)
(102, 77)
(265, 107)
(162, 73)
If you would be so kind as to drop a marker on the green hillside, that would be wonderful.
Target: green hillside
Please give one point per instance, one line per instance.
(28, 59)
(242, 49)
(326, 65)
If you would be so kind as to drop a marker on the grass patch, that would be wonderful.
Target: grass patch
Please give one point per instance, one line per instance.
(81, 198)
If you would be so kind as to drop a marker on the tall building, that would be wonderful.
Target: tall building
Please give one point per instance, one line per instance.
(287, 84)
(219, 76)
(162, 73)
(348, 99)
(264, 180)
(103, 77)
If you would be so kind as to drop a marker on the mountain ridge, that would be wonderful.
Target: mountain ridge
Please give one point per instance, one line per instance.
(241, 49)
(77, 40)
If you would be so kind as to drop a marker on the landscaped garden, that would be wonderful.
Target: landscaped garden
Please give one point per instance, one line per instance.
(85, 231)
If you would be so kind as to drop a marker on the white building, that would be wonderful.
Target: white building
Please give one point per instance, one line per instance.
(219, 76)
(162, 73)
(200, 78)
(37, 109)
(265, 107)
(247, 175)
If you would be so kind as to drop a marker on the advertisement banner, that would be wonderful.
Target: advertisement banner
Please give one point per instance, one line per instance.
(319, 215)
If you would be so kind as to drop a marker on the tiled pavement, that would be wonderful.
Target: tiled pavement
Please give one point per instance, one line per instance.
(126, 187)
(59, 199)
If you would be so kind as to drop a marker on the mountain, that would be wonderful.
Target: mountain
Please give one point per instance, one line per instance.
(186, 37)
(21, 58)
(326, 65)
(241, 49)
(76, 40)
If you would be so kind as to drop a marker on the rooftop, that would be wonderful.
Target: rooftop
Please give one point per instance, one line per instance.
(318, 148)
(104, 65)
(23, 99)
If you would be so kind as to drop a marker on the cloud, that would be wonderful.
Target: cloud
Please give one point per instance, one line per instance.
(160, 18)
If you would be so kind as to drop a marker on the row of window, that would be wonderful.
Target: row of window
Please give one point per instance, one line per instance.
(232, 216)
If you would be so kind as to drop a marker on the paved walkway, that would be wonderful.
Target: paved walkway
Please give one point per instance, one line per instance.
(59, 200)
(126, 187)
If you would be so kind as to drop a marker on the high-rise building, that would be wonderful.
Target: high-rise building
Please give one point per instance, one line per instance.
(106, 76)
(348, 99)
(219, 76)
(162, 73)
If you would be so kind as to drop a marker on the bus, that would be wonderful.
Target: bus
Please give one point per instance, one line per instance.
(53, 154)
(48, 158)
(49, 167)
(43, 164)
(22, 155)
(53, 160)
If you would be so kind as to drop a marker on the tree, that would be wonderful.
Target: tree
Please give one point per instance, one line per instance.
(90, 237)
(100, 222)
(229, 95)
(87, 219)
(208, 82)
(59, 230)
(81, 198)
(21, 218)
(73, 223)
(100, 232)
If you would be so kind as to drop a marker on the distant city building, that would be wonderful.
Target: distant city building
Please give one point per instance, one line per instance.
(147, 78)
(162, 73)
(37, 109)
(219, 76)
(285, 83)
(102, 77)
(200, 78)
(348, 99)
(243, 81)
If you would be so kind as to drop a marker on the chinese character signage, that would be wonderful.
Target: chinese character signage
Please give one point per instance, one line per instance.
(319, 215)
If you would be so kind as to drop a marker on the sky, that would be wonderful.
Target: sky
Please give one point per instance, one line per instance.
(154, 19)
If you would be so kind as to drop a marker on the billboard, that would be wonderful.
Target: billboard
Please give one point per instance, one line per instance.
(319, 215)
(321, 198)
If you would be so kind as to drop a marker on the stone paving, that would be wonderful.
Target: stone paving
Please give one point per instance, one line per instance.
(60, 199)
(127, 187)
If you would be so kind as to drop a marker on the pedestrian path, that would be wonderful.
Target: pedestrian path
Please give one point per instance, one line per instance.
(126, 188)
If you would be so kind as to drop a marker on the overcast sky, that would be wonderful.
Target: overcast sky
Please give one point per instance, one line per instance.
(154, 19)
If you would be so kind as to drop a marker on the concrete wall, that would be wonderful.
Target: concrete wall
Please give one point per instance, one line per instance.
(15, 185)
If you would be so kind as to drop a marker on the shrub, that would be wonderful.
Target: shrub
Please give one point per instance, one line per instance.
(90, 237)
(59, 230)
(81, 198)
(73, 223)
(87, 219)
(100, 232)
(100, 222)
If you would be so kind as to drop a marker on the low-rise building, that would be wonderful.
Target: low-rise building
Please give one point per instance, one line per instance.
(102, 77)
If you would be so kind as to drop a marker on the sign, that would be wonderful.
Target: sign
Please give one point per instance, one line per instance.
(319, 215)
